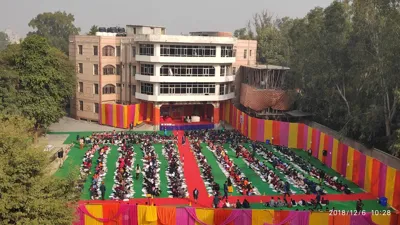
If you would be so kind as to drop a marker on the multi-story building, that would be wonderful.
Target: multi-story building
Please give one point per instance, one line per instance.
(145, 64)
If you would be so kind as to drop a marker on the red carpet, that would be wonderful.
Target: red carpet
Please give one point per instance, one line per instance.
(192, 172)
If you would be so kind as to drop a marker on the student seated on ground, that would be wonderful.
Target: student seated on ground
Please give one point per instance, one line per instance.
(246, 204)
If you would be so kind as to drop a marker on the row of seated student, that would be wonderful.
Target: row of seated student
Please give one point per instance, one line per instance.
(177, 187)
(305, 168)
(99, 174)
(116, 138)
(278, 203)
(123, 180)
(221, 203)
(151, 170)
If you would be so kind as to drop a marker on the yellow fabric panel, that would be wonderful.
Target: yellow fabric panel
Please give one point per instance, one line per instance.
(114, 112)
(259, 217)
(147, 215)
(309, 138)
(390, 182)
(249, 128)
(125, 116)
(381, 219)
(368, 174)
(335, 154)
(137, 112)
(103, 114)
(293, 131)
(227, 112)
(267, 129)
(97, 212)
(318, 218)
(205, 215)
(349, 168)
(321, 146)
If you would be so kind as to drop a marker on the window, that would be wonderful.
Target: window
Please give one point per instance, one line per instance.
(118, 88)
(133, 51)
(81, 105)
(234, 71)
(109, 70)
(187, 88)
(95, 69)
(147, 69)
(134, 30)
(108, 51)
(187, 70)
(118, 50)
(96, 89)
(96, 107)
(119, 70)
(80, 68)
(222, 71)
(95, 50)
(226, 51)
(222, 89)
(109, 89)
(250, 53)
(245, 54)
(146, 49)
(133, 90)
(133, 71)
(80, 49)
(187, 51)
(81, 87)
(146, 88)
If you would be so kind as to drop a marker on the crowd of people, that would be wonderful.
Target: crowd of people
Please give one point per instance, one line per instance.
(176, 181)
(151, 170)
(206, 170)
(123, 182)
(96, 189)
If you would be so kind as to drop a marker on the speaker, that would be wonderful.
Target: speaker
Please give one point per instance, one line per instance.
(60, 154)
(324, 152)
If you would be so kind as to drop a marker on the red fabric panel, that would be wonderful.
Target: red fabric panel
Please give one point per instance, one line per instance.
(339, 158)
(375, 177)
(246, 125)
(109, 212)
(356, 167)
(300, 136)
(280, 216)
(142, 111)
(220, 215)
(276, 132)
(254, 128)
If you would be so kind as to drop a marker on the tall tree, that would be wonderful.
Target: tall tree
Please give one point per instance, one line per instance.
(28, 194)
(46, 80)
(56, 27)
(4, 40)
(93, 30)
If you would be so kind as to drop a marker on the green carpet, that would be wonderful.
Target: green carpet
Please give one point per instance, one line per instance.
(369, 205)
(112, 159)
(138, 184)
(263, 187)
(318, 164)
(219, 176)
(163, 171)
(270, 166)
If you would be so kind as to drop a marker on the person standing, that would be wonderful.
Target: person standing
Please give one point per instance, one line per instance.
(287, 190)
(137, 171)
(102, 190)
(183, 140)
(131, 127)
(318, 201)
(216, 201)
(225, 191)
(359, 205)
(195, 195)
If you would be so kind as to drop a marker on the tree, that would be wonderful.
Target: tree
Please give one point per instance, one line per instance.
(56, 27)
(46, 80)
(93, 30)
(4, 40)
(28, 194)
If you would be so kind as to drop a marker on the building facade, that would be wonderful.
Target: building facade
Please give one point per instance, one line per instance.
(147, 65)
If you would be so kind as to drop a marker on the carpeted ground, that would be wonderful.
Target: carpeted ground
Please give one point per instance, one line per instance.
(194, 180)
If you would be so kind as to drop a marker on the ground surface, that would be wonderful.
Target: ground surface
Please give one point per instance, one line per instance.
(194, 180)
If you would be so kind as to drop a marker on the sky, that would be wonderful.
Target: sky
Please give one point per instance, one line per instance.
(178, 16)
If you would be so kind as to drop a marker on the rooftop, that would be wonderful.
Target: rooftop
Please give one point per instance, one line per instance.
(129, 25)
(271, 67)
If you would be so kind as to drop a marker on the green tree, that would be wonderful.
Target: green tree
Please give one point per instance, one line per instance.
(28, 194)
(56, 27)
(46, 80)
(93, 30)
(4, 40)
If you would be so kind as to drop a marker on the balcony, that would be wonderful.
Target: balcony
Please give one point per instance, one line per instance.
(184, 98)
(181, 60)
(184, 79)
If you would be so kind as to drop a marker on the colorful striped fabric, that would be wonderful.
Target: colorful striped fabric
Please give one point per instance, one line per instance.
(369, 173)
(122, 116)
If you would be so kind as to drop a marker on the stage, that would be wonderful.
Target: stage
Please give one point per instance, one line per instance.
(179, 125)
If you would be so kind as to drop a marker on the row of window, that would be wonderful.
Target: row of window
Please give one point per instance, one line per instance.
(107, 70)
(107, 89)
(95, 107)
(196, 71)
(106, 51)
(188, 51)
